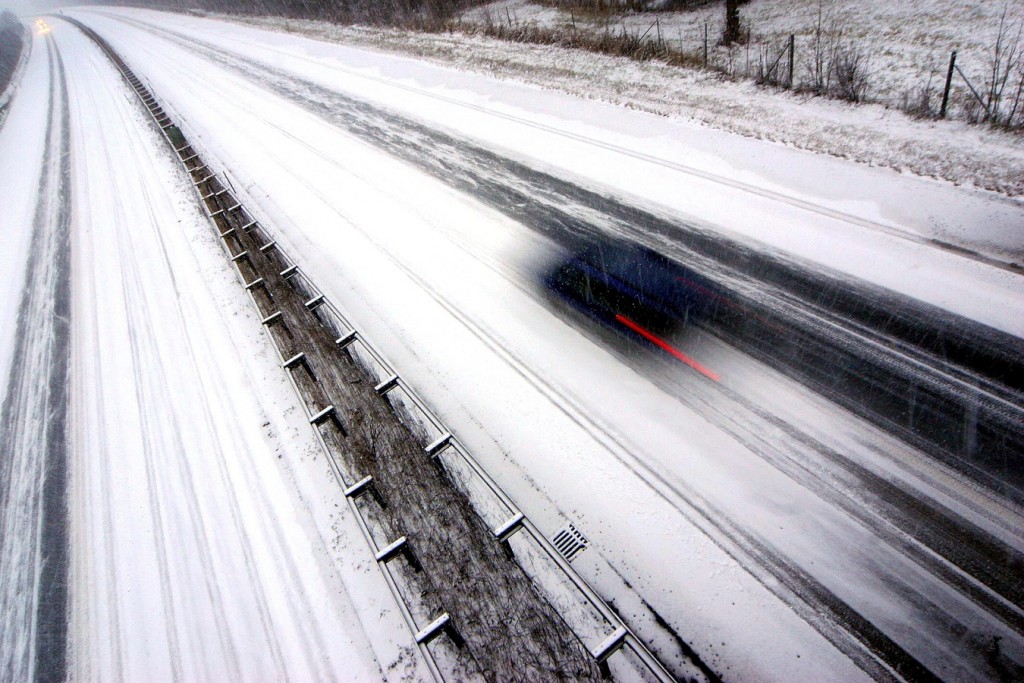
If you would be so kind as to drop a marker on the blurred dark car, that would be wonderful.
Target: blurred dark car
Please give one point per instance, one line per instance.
(612, 280)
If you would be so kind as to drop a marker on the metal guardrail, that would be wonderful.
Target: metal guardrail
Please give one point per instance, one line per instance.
(491, 503)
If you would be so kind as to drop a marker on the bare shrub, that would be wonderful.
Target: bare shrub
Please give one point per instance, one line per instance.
(917, 101)
(850, 73)
(1015, 117)
(971, 110)
(833, 66)
(1002, 106)
(616, 42)
(817, 62)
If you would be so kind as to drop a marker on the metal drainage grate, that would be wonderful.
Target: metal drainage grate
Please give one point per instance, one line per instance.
(569, 542)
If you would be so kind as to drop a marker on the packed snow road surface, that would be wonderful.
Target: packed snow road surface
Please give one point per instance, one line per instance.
(779, 535)
(200, 544)
(34, 423)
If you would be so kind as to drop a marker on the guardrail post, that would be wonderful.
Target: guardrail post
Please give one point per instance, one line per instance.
(297, 360)
(439, 444)
(443, 624)
(607, 648)
(505, 532)
(328, 414)
(364, 486)
(387, 385)
(400, 547)
(346, 339)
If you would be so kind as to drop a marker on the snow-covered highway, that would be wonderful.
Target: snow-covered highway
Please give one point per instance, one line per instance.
(751, 518)
(193, 555)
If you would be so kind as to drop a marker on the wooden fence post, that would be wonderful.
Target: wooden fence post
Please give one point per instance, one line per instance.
(949, 82)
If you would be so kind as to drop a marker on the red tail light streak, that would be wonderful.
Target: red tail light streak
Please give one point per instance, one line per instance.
(665, 346)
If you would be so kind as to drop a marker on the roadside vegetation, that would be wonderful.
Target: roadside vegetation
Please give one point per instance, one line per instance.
(893, 54)
(12, 42)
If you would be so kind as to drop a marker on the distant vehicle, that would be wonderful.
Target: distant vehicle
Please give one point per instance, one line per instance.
(615, 280)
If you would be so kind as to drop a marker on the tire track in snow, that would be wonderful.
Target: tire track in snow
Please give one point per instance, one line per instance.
(155, 433)
(166, 478)
(160, 545)
(94, 518)
(185, 472)
(34, 424)
(300, 605)
(98, 517)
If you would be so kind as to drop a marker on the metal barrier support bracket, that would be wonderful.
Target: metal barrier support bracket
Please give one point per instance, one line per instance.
(227, 210)
(396, 548)
(363, 486)
(439, 444)
(387, 385)
(443, 624)
(610, 645)
(346, 339)
(328, 414)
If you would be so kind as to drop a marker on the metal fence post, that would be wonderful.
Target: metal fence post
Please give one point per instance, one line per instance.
(949, 82)
(705, 43)
(792, 50)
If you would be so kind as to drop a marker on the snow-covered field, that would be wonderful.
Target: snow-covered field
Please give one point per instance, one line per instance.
(908, 44)
(207, 538)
